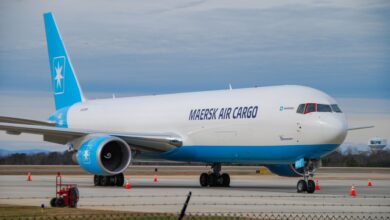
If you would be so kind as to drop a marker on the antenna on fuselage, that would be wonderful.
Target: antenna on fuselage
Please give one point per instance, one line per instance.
(230, 87)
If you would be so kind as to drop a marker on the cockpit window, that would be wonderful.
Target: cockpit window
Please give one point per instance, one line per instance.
(336, 108)
(314, 107)
(323, 108)
(310, 107)
(301, 108)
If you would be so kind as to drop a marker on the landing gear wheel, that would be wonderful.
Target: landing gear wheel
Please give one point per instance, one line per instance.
(116, 180)
(311, 186)
(225, 180)
(219, 181)
(301, 186)
(120, 179)
(111, 181)
(203, 179)
(96, 180)
(212, 180)
(104, 180)
(53, 202)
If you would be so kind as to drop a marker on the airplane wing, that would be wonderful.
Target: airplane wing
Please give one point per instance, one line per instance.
(157, 142)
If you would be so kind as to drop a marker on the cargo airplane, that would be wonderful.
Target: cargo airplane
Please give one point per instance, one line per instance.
(286, 128)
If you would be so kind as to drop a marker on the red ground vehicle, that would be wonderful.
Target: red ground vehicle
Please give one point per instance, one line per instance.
(67, 195)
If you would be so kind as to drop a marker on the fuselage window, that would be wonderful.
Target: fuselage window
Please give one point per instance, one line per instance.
(301, 108)
(323, 108)
(310, 107)
(336, 108)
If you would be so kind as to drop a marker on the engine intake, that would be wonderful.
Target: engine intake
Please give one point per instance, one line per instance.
(104, 155)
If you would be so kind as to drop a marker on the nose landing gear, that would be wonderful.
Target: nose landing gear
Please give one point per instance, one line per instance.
(307, 185)
(215, 178)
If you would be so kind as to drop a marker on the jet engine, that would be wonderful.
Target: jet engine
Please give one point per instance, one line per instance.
(104, 155)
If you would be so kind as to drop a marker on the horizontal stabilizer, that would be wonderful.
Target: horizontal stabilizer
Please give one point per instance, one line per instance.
(358, 128)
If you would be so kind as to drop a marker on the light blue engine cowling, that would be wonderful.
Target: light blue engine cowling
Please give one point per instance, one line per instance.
(104, 155)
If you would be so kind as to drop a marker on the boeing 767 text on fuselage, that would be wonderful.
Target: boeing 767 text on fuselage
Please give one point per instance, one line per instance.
(286, 128)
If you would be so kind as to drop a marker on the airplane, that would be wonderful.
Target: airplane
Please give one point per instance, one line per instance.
(287, 128)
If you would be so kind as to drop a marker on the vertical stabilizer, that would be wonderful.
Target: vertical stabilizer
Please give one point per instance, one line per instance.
(66, 88)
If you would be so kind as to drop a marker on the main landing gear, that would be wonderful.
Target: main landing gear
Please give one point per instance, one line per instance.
(215, 178)
(115, 180)
(307, 185)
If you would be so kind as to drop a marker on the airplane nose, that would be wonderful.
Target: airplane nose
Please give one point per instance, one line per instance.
(334, 129)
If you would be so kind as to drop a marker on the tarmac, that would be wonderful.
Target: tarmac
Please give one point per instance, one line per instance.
(252, 193)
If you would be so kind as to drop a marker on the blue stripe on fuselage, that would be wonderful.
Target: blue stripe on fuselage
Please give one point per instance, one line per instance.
(248, 154)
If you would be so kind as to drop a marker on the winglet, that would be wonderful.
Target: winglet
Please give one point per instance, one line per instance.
(66, 88)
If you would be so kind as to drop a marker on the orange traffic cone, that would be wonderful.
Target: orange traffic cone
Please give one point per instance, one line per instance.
(317, 185)
(29, 177)
(155, 179)
(353, 191)
(369, 183)
(127, 185)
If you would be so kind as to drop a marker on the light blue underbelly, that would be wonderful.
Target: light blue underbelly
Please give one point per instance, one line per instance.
(248, 154)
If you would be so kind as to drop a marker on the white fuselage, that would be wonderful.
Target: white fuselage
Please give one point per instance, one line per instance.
(276, 122)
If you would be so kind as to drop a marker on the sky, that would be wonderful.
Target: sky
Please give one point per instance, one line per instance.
(154, 47)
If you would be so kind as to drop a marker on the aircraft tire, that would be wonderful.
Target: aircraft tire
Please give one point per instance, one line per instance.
(301, 186)
(311, 186)
(120, 179)
(225, 180)
(219, 181)
(96, 180)
(212, 180)
(112, 180)
(203, 179)
(104, 180)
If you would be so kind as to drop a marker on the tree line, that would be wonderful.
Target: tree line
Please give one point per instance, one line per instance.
(52, 158)
(335, 159)
(374, 159)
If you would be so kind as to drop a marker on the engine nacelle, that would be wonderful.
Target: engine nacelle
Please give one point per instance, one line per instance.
(104, 155)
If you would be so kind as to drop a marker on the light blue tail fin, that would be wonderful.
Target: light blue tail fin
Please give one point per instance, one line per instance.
(65, 85)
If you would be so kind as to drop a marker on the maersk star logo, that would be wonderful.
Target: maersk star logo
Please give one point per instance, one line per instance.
(59, 75)
(86, 155)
